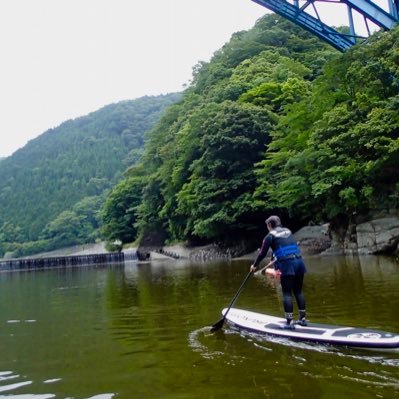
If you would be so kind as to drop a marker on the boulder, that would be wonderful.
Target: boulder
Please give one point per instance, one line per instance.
(313, 239)
(378, 236)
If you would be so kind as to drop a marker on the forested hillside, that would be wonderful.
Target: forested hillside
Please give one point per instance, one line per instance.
(52, 189)
(277, 121)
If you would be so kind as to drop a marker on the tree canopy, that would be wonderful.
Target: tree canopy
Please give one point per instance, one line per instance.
(277, 121)
(51, 188)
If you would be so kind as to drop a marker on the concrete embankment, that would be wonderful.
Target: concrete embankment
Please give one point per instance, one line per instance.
(63, 261)
(204, 253)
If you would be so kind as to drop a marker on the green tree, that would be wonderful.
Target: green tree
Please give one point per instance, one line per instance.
(119, 213)
(80, 158)
(217, 196)
(66, 229)
(334, 152)
(200, 157)
(11, 233)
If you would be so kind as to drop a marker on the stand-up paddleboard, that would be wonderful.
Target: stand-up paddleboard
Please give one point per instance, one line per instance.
(268, 272)
(321, 333)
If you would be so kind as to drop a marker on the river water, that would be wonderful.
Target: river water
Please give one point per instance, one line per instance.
(142, 331)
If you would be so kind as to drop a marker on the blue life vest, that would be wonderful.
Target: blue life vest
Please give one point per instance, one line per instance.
(287, 250)
(285, 244)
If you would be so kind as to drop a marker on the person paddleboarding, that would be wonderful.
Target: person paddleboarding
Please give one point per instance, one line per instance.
(291, 266)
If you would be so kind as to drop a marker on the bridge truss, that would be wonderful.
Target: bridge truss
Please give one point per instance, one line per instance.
(363, 17)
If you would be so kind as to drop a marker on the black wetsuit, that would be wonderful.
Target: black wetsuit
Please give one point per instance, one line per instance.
(289, 262)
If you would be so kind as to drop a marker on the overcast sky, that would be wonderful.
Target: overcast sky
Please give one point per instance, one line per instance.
(61, 59)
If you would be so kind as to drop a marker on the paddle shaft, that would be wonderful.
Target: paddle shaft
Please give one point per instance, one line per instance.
(219, 324)
(238, 293)
(265, 267)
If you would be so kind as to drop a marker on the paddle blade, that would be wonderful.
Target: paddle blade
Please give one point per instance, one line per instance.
(218, 325)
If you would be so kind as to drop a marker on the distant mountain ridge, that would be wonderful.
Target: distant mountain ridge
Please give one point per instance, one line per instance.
(80, 158)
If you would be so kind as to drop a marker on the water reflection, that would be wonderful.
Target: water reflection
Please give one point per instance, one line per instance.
(354, 291)
(10, 382)
(346, 291)
(320, 363)
(137, 331)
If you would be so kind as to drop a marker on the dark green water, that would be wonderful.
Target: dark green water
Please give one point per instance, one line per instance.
(129, 331)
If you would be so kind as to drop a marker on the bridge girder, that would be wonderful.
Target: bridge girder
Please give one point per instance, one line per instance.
(370, 11)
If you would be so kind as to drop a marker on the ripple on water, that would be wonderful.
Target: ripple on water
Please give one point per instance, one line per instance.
(197, 346)
(360, 372)
(381, 358)
(8, 376)
(27, 396)
(5, 386)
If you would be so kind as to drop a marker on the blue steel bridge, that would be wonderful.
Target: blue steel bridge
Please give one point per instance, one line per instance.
(363, 17)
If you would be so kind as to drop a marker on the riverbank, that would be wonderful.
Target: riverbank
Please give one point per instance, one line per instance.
(76, 250)
(379, 235)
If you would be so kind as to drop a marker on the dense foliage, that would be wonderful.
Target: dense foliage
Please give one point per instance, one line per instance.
(200, 158)
(51, 190)
(275, 122)
(335, 153)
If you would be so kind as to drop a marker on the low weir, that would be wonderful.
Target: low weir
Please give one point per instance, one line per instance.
(65, 261)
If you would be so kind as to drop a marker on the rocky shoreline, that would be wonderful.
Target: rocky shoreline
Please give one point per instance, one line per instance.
(378, 235)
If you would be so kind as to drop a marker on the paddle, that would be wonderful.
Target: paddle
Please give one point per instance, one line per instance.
(219, 324)
(265, 267)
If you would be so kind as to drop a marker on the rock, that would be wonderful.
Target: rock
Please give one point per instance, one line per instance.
(180, 250)
(367, 234)
(209, 253)
(313, 239)
(378, 236)
(156, 255)
(152, 241)
(315, 231)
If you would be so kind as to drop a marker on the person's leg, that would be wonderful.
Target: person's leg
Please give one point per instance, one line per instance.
(287, 284)
(299, 297)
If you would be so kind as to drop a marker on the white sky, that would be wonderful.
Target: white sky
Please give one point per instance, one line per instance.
(61, 59)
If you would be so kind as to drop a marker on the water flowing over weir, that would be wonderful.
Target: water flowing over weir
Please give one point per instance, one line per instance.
(65, 261)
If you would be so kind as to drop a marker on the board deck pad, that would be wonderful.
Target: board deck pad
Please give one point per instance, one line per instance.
(316, 332)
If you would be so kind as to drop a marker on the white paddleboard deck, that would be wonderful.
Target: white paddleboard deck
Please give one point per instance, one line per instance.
(322, 333)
